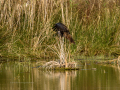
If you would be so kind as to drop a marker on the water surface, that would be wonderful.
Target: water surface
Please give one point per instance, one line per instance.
(23, 76)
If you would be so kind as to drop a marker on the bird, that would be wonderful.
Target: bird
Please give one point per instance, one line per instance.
(63, 31)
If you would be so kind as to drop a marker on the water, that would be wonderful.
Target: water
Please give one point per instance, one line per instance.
(22, 76)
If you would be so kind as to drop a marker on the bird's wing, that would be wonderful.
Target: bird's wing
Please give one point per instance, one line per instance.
(61, 27)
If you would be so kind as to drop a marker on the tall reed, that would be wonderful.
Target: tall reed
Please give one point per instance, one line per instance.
(26, 27)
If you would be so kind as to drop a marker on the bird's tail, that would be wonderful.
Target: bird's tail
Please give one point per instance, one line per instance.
(69, 37)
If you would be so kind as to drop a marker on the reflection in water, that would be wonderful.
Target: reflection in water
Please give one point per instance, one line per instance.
(63, 79)
(21, 76)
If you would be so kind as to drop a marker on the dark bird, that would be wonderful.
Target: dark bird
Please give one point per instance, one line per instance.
(62, 31)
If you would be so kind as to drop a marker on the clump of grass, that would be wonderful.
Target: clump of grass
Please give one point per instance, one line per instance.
(26, 27)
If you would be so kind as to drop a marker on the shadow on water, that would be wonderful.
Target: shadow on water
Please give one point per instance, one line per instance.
(21, 75)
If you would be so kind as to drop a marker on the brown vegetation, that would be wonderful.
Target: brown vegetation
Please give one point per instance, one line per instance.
(26, 27)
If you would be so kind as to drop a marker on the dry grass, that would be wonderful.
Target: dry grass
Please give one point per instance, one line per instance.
(26, 27)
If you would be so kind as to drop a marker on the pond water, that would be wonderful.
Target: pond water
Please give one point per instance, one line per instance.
(24, 76)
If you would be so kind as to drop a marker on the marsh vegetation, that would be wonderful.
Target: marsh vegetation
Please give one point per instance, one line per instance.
(26, 28)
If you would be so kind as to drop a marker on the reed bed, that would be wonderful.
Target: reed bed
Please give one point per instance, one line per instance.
(26, 27)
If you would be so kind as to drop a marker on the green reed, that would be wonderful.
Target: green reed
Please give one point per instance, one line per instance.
(26, 27)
